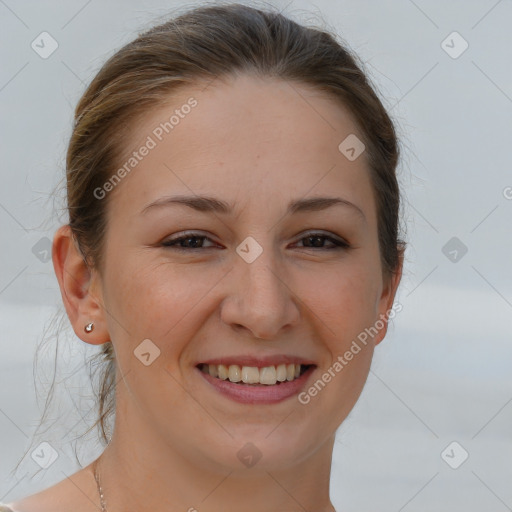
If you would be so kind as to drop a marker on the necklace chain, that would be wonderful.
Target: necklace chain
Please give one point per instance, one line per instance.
(100, 491)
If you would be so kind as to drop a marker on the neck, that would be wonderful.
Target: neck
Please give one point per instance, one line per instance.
(140, 471)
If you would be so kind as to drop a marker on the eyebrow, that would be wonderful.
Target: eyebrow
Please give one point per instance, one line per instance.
(211, 204)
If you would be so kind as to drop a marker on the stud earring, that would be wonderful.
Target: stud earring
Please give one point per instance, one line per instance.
(89, 327)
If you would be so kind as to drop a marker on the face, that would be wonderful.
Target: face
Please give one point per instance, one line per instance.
(255, 275)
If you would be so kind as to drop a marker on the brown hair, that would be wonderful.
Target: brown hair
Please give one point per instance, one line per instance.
(202, 44)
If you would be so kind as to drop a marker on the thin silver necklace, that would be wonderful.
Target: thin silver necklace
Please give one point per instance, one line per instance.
(98, 484)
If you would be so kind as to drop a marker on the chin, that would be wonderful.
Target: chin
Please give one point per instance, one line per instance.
(264, 449)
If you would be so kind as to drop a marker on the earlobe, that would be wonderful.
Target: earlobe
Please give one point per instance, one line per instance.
(75, 279)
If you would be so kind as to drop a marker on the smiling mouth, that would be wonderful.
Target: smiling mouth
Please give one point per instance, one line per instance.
(253, 375)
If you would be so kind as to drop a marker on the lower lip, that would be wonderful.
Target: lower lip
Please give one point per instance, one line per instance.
(258, 394)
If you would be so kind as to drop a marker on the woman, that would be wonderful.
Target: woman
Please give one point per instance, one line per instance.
(233, 244)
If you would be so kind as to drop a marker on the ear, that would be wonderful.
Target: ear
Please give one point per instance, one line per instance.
(78, 287)
(385, 308)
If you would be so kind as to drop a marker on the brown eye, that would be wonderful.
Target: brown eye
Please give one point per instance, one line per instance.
(190, 241)
(193, 241)
(317, 241)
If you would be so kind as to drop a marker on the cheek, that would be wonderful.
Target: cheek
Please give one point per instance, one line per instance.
(158, 301)
(348, 300)
(343, 307)
(343, 299)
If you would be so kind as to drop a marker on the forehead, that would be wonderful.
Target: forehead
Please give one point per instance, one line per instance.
(240, 136)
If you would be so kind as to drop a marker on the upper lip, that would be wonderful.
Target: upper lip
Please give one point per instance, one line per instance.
(258, 361)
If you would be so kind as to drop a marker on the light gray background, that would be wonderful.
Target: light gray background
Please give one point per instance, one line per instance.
(443, 373)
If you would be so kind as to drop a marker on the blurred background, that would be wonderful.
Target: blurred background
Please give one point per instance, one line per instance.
(433, 427)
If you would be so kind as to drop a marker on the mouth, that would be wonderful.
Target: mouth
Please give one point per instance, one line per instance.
(273, 375)
(256, 382)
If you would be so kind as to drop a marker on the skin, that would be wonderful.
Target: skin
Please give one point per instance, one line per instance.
(256, 144)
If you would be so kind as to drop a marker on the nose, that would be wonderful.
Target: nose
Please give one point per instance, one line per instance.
(261, 298)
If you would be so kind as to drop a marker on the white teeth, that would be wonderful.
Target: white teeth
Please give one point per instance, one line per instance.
(223, 371)
(250, 375)
(235, 373)
(290, 371)
(281, 372)
(268, 375)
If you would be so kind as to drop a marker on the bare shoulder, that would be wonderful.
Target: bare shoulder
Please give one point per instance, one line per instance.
(77, 492)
